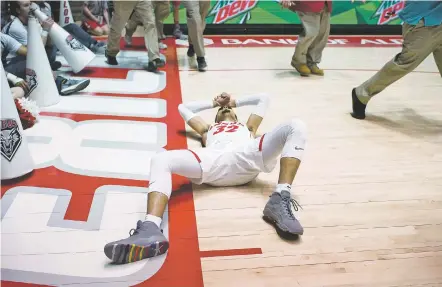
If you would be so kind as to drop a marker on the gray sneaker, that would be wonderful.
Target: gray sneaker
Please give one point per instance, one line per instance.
(278, 211)
(146, 241)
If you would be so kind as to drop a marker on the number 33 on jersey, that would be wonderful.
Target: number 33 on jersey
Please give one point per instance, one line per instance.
(225, 134)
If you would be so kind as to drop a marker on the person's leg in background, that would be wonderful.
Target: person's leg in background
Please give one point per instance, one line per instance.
(177, 33)
(122, 11)
(51, 53)
(110, 9)
(287, 141)
(144, 9)
(84, 38)
(162, 11)
(196, 12)
(148, 239)
(314, 52)
(311, 22)
(17, 67)
(419, 42)
(131, 27)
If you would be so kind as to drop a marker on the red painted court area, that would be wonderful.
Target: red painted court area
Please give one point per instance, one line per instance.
(182, 223)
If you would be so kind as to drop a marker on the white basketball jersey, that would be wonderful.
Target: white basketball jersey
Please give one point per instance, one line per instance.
(227, 135)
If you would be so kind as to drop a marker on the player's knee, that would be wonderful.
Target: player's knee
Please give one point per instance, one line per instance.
(159, 160)
(298, 126)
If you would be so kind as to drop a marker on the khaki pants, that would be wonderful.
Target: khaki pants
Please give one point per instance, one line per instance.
(419, 42)
(161, 11)
(144, 11)
(196, 12)
(313, 39)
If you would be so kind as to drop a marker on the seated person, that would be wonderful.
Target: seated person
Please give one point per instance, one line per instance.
(14, 63)
(96, 17)
(18, 29)
(75, 30)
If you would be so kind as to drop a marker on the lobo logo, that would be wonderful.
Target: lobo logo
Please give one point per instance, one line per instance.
(74, 44)
(226, 10)
(388, 11)
(31, 79)
(10, 138)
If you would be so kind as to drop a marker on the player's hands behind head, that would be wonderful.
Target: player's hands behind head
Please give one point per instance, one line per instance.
(222, 100)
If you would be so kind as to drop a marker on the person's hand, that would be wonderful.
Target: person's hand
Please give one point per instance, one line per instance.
(222, 100)
(22, 84)
(286, 3)
(47, 24)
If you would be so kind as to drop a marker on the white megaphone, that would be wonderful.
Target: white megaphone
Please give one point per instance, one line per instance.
(42, 87)
(65, 13)
(16, 158)
(76, 54)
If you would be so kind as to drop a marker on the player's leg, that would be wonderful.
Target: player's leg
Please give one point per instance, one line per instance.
(287, 141)
(147, 240)
(418, 43)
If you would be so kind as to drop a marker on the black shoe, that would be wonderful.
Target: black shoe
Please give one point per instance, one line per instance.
(111, 60)
(358, 107)
(155, 64)
(159, 62)
(202, 65)
(55, 65)
(190, 51)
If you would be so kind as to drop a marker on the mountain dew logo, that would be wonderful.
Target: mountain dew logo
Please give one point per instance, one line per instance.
(225, 10)
(388, 11)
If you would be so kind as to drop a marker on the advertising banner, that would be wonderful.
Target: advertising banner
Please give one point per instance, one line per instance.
(271, 12)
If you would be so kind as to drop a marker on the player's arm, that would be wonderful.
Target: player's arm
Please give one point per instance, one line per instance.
(188, 112)
(261, 102)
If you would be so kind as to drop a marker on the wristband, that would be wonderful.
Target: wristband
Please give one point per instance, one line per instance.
(185, 113)
(14, 79)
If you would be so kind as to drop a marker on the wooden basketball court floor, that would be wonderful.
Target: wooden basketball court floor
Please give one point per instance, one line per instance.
(371, 190)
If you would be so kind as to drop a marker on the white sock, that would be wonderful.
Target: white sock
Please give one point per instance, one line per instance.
(152, 218)
(283, 186)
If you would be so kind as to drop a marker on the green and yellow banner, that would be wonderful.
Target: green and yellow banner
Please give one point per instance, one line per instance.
(271, 12)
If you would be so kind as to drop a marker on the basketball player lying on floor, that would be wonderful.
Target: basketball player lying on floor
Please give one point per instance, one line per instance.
(232, 156)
